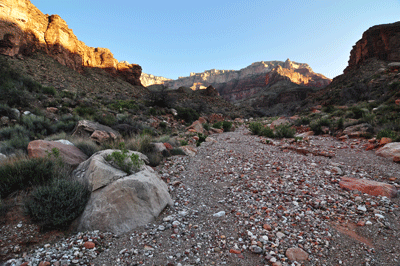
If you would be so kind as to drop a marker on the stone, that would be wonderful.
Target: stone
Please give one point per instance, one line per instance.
(64, 141)
(280, 121)
(202, 120)
(4, 120)
(119, 202)
(189, 150)
(89, 245)
(296, 254)
(357, 131)
(390, 150)
(53, 110)
(210, 139)
(385, 141)
(159, 147)
(95, 131)
(2, 157)
(15, 113)
(196, 126)
(70, 155)
(397, 102)
(168, 146)
(369, 187)
(99, 172)
(234, 251)
(215, 131)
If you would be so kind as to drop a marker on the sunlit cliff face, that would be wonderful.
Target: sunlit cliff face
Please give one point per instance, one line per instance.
(24, 29)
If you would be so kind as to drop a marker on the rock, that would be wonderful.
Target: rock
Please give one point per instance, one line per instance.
(256, 249)
(15, 113)
(296, 254)
(53, 110)
(390, 150)
(64, 141)
(34, 31)
(95, 131)
(70, 155)
(385, 141)
(202, 120)
(213, 118)
(168, 146)
(357, 131)
(189, 150)
(89, 245)
(196, 127)
(159, 147)
(397, 102)
(99, 172)
(2, 157)
(219, 214)
(215, 131)
(4, 120)
(369, 187)
(379, 42)
(280, 121)
(148, 79)
(119, 202)
(210, 139)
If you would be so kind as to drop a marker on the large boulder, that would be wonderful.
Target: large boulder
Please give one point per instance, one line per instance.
(97, 132)
(69, 154)
(119, 201)
(390, 150)
(196, 127)
(369, 187)
(357, 131)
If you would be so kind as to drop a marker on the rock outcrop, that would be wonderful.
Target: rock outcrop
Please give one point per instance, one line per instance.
(381, 42)
(95, 131)
(25, 30)
(148, 80)
(119, 202)
(69, 154)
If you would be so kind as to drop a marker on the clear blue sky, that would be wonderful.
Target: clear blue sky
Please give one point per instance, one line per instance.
(174, 38)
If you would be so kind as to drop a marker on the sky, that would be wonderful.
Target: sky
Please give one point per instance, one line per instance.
(173, 38)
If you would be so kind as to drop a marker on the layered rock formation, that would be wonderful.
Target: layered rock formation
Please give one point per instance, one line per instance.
(381, 42)
(148, 80)
(25, 30)
(236, 85)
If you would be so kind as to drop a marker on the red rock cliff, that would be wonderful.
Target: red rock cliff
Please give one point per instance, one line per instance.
(381, 42)
(25, 30)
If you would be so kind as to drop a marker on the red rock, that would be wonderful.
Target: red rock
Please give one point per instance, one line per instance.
(267, 227)
(397, 101)
(44, 263)
(234, 251)
(89, 245)
(97, 132)
(369, 187)
(52, 110)
(69, 154)
(379, 42)
(202, 120)
(361, 223)
(396, 159)
(196, 138)
(370, 147)
(373, 140)
(215, 118)
(168, 146)
(385, 141)
(25, 264)
(296, 254)
(196, 126)
(34, 31)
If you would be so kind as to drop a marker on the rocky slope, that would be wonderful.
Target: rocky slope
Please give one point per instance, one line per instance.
(25, 30)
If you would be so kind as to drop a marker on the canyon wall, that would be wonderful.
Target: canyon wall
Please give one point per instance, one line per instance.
(24, 30)
(148, 79)
(381, 42)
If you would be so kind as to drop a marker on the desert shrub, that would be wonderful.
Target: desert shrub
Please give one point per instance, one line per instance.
(256, 128)
(316, 126)
(206, 126)
(184, 142)
(227, 126)
(56, 205)
(120, 105)
(267, 132)
(154, 158)
(66, 123)
(340, 123)
(8, 132)
(358, 112)
(87, 146)
(284, 131)
(127, 163)
(16, 142)
(38, 126)
(218, 125)
(328, 109)
(162, 125)
(49, 90)
(84, 111)
(187, 114)
(26, 173)
(302, 121)
(106, 119)
(5, 110)
(387, 133)
(201, 139)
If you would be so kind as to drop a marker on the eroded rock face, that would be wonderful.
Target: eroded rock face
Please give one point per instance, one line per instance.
(25, 30)
(69, 154)
(381, 42)
(119, 202)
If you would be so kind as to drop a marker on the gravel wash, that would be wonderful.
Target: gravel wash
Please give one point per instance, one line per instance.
(244, 201)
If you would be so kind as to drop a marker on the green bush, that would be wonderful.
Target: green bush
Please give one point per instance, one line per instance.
(88, 147)
(184, 142)
(302, 121)
(106, 119)
(206, 126)
(119, 105)
(387, 133)
(256, 128)
(127, 163)
(218, 125)
(187, 114)
(37, 126)
(267, 132)
(201, 139)
(84, 111)
(16, 142)
(56, 205)
(26, 173)
(226, 126)
(66, 123)
(284, 131)
(177, 151)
